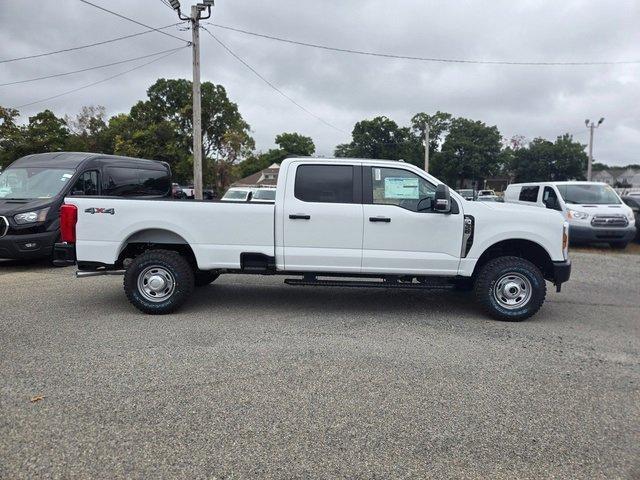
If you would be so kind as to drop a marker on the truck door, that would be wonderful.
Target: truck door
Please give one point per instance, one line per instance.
(322, 230)
(402, 235)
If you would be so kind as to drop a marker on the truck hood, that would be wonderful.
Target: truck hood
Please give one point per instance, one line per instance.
(592, 209)
(9, 207)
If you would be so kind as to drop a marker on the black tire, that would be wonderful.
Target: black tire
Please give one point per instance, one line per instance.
(519, 278)
(205, 277)
(163, 266)
(618, 245)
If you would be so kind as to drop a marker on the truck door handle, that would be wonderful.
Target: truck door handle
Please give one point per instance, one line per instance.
(380, 219)
(299, 216)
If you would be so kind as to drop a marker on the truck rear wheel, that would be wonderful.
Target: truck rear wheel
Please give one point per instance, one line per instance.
(510, 288)
(158, 281)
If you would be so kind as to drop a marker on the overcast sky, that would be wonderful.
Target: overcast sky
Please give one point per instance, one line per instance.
(344, 88)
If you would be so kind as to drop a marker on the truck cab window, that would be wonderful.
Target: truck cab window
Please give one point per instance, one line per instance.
(395, 186)
(325, 183)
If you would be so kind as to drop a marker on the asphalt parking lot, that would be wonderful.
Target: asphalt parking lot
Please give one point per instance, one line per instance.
(257, 379)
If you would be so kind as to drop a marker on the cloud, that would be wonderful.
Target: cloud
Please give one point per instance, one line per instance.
(343, 88)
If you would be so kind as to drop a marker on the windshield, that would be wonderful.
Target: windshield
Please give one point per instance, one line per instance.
(592, 194)
(33, 182)
(265, 194)
(236, 195)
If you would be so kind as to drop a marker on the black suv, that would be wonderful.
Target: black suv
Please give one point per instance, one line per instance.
(33, 188)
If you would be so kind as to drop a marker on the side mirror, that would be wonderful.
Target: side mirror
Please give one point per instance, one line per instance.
(442, 200)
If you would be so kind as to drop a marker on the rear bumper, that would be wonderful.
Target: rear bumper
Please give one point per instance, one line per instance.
(64, 254)
(33, 245)
(593, 234)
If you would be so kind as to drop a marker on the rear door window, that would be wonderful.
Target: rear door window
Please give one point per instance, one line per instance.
(325, 183)
(87, 184)
(529, 194)
(134, 182)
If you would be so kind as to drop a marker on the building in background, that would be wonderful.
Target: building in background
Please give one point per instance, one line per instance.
(264, 178)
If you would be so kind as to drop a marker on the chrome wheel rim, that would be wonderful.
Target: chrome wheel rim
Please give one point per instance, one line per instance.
(156, 284)
(512, 291)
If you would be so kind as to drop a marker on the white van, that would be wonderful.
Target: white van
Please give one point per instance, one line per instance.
(594, 210)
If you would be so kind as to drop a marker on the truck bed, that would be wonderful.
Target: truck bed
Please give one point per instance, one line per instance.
(224, 229)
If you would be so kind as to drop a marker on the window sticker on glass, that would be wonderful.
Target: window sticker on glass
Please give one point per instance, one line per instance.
(377, 174)
(401, 187)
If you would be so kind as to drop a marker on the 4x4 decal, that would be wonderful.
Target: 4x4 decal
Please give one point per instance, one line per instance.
(92, 211)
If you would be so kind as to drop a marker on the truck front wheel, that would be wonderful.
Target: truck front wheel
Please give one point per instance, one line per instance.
(510, 288)
(158, 281)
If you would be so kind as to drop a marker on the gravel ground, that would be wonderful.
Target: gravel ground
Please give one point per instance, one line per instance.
(255, 379)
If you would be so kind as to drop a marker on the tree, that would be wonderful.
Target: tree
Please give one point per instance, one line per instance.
(10, 136)
(160, 128)
(544, 160)
(439, 124)
(379, 137)
(471, 150)
(87, 130)
(295, 144)
(289, 143)
(44, 133)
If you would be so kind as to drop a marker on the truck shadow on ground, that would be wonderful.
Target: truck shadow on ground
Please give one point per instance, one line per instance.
(16, 266)
(278, 300)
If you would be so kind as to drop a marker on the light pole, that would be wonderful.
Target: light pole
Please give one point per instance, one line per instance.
(196, 16)
(591, 126)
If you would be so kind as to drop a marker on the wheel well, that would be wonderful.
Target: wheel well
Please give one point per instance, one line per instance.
(526, 249)
(155, 239)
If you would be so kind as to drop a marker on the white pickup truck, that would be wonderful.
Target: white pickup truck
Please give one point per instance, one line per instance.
(343, 223)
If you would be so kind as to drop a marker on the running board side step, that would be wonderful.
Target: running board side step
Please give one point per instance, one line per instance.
(97, 273)
(368, 284)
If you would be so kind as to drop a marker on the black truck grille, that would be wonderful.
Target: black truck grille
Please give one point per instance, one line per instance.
(609, 221)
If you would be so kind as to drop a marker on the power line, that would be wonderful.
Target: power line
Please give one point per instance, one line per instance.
(135, 21)
(422, 59)
(261, 77)
(89, 68)
(100, 81)
(89, 44)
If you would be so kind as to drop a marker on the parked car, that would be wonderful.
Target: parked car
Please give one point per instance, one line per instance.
(264, 195)
(594, 210)
(467, 193)
(486, 193)
(633, 202)
(33, 188)
(372, 219)
(235, 194)
(489, 198)
(177, 191)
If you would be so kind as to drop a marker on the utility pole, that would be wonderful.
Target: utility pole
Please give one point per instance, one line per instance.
(591, 126)
(195, 18)
(197, 113)
(426, 147)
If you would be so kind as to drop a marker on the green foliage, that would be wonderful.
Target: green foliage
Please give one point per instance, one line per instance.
(544, 160)
(289, 143)
(44, 133)
(381, 138)
(295, 144)
(471, 150)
